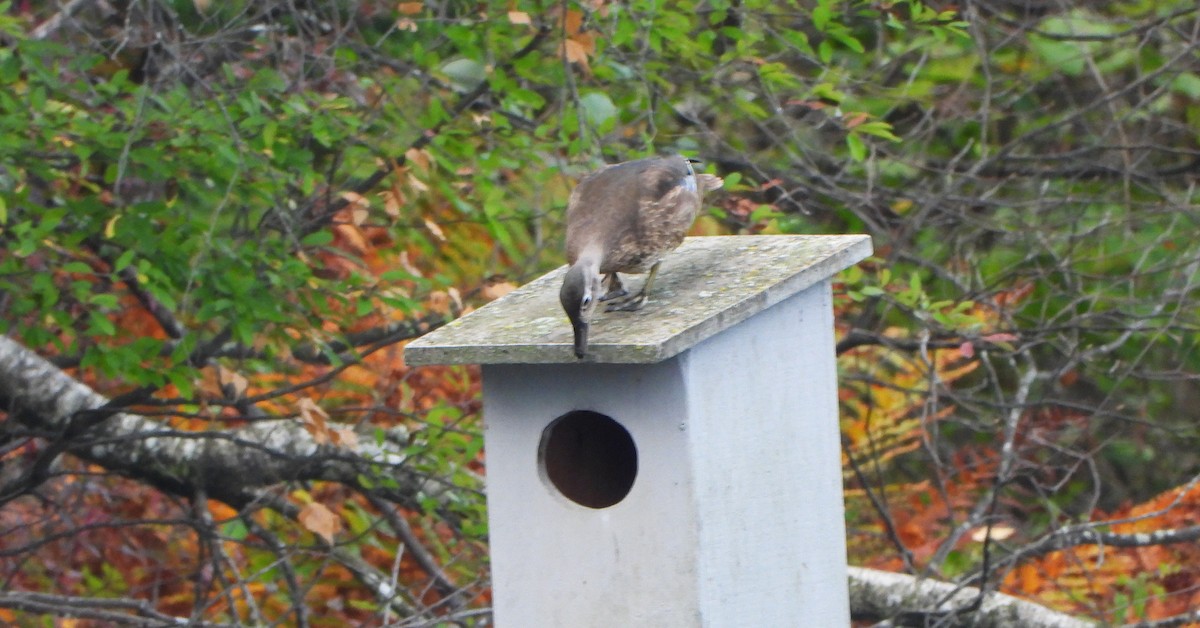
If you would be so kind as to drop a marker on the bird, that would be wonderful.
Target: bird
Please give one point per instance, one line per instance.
(623, 218)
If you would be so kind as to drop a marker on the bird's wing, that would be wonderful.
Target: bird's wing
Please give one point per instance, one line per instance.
(668, 202)
(635, 211)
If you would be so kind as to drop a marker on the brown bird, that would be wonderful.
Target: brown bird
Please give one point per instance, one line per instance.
(622, 219)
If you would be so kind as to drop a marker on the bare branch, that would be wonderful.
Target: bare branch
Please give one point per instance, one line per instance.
(908, 600)
(264, 453)
(119, 611)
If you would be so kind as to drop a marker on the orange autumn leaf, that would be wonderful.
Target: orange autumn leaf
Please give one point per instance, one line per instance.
(912, 534)
(352, 238)
(855, 119)
(319, 520)
(573, 22)
(410, 8)
(367, 378)
(576, 52)
(313, 417)
(220, 511)
(579, 45)
(1029, 579)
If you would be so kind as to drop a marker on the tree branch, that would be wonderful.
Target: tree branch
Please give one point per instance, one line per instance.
(123, 612)
(67, 12)
(227, 465)
(907, 600)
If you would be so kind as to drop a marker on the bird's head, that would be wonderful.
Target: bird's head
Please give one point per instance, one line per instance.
(579, 295)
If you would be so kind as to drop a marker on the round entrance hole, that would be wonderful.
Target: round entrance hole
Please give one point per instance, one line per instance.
(589, 458)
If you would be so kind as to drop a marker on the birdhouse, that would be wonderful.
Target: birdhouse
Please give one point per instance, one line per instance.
(687, 471)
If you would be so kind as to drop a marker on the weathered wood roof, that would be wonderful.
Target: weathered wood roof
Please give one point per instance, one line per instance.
(707, 285)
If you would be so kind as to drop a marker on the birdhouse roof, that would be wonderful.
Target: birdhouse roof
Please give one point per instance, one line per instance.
(704, 287)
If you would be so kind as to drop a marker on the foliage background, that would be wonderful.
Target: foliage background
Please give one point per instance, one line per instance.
(221, 214)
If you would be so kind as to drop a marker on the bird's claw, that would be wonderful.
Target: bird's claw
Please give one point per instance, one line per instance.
(631, 304)
(615, 293)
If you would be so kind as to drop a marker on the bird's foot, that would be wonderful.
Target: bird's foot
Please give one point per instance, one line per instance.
(629, 304)
(615, 293)
(616, 289)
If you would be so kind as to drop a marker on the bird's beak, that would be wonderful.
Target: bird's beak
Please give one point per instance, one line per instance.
(581, 338)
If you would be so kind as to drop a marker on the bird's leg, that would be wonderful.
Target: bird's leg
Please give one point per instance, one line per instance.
(635, 302)
(616, 289)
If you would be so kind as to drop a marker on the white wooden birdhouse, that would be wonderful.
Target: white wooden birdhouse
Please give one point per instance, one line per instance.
(687, 472)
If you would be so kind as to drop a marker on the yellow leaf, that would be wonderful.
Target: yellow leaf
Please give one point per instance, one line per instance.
(319, 520)
(110, 228)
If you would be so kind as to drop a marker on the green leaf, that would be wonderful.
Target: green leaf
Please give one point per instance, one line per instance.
(877, 128)
(77, 267)
(321, 131)
(465, 74)
(598, 108)
(1062, 55)
(821, 14)
(848, 41)
(872, 291)
(858, 149)
(100, 325)
(318, 238)
(1187, 83)
(235, 530)
(825, 51)
(123, 260)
